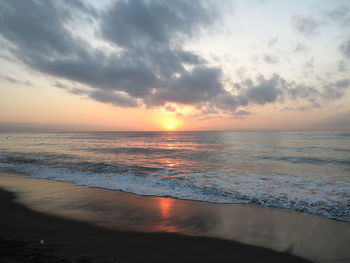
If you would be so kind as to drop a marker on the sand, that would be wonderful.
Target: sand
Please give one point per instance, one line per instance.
(82, 224)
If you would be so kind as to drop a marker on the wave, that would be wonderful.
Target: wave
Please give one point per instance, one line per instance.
(225, 174)
(136, 150)
(322, 197)
(309, 160)
(50, 160)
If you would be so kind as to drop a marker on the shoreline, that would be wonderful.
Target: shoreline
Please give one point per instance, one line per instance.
(304, 235)
(66, 240)
(342, 217)
(195, 200)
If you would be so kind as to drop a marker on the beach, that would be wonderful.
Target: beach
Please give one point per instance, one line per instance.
(98, 225)
(174, 131)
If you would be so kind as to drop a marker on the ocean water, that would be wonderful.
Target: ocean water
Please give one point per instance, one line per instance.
(303, 171)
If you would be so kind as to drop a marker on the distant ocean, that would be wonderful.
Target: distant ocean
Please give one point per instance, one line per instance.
(303, 171)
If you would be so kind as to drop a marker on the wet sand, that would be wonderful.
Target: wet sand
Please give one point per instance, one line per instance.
(100, 224)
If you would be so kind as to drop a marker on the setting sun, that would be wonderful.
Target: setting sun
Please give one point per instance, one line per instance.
(170, 124)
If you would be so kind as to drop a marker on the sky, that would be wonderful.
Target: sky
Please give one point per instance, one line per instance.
(175, 65)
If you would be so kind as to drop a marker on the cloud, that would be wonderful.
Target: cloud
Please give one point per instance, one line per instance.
(266, 91)
(342, 66)
(270, 59)
(305, 25)
(199, 85)
(301, 91)
(300, 48)
(142, 22)
(309, 26)
(28, 32)
(344, 48)
(335, 90)
(310, 97)
(242, 113)
(272, 41)
(277, 89)
(328, 92)
(340, 15)
(146, 63)
(241, 72)
(115, 98)
(149, 63)
(308, 67)
(73, 90)
(15, 81)
(170, 108)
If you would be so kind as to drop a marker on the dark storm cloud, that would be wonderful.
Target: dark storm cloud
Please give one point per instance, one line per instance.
(80, 6)
(266, 91)
(141, 22)
(117, 99)
(103, 72)
(149, 33)
(277, 89)
(260, 91)
(199, 85)
(37, 31)
(155, 30)
(305, 25)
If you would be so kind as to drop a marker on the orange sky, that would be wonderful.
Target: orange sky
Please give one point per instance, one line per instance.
(261, 65)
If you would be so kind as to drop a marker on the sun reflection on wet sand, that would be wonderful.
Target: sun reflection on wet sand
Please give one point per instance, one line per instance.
(165, 205)
(165, 211)
(277, 229)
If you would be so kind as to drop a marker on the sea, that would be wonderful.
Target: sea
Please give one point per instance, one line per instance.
(306, 171)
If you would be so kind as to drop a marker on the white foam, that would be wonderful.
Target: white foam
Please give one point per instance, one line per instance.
(323, 197)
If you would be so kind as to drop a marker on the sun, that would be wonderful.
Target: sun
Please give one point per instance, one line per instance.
(170, 126)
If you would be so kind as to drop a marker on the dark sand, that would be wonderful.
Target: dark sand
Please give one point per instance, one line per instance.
(58, 206)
